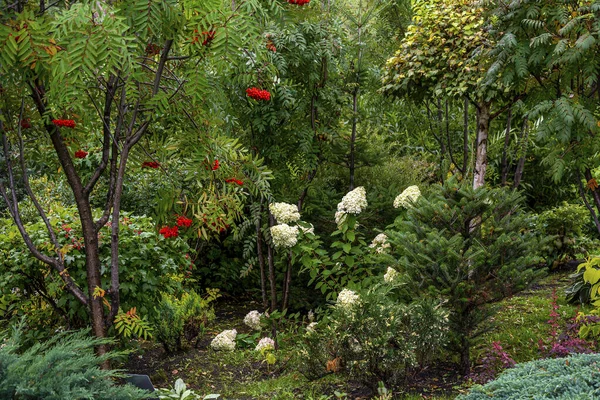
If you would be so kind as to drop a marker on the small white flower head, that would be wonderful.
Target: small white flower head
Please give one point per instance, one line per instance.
(311, 316)
(284, 213)
(224, 340)
(347, 298)
(380, 243)
(390, 275)
(407, 197)
(265, 343)
(252, 319)
(340, 217)
(354, 201)
(284, 235)
(311, 328)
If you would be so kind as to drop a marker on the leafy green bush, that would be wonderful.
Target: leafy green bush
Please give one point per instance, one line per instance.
(373, 337)
(185, 317)
(574, 377)
(149, 265)
(566, 224)
(470, 247)
(64, 367)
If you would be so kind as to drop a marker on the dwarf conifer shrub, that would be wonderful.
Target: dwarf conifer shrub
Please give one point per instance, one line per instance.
(470, 247)
(571, 378)
(65, 367)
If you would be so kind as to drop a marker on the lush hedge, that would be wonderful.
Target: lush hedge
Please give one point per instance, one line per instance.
(574, 377)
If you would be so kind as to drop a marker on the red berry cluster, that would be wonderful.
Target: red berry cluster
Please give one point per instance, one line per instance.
(81, 154)
(298, 2)
(25, 123)
(234, 180)
(258, 94)
(150, 164)
(169, 231)
(215, 165)
(184, 222)
(67, 123)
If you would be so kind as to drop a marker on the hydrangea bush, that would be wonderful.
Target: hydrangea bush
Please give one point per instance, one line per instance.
(224, 341)
(408, 197)
(373, 337)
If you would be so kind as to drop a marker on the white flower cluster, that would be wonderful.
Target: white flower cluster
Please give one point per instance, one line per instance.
(252, 319)
(380, 243)
(354, 201)
(340, 216)
(284, 235)
(284, 213)
(265, 343)
(311, 328)
(407, 197)
(346, 298)
(224, 340)
(390, 275)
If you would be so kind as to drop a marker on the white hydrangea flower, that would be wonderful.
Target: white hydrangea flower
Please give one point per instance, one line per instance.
(390, 275)
(311, 315)
(340, 216)
(265, 343)
(252, 319)
(380, 243)
(224, 340)
(407, 197)
(284, 213)
(284, 235)
(354, 201)
(311, 328)
(346, 298)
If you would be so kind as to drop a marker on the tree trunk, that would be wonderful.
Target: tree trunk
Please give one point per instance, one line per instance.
(481, 161)
(504, 163)
(465, 356)
(271, 261)
(261, 258)
(286, 283)
(352, 162)
(587, 203)
(594, 189)
(523, 151)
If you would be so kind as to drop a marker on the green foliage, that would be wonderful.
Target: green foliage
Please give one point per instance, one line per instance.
(176, 319)
(566, 225)
(471, 247)
(181, 392)
(574, 377)
(443, 51)
(129, 324)
(65, 367)
(149, 264)
(374, 339)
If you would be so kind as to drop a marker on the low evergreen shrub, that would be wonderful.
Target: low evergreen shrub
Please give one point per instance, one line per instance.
(64, 367)
(571, 378)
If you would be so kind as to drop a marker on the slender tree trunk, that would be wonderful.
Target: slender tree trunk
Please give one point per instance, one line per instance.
(286, 282)
(465, 356)
(523, 152)
(481, 160)
(261, 258)
(465, 138)
(504, 163)
(352, 163)
(587, 203)
(271, 261)
(593, 188)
